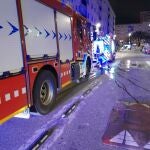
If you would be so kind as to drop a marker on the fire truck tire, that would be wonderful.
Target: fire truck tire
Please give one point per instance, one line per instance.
(44, 92)
(88, 68)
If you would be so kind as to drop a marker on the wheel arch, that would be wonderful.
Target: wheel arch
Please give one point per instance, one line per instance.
(52, 70)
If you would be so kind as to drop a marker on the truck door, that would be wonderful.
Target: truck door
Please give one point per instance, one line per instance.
(13, 97)
(65, 46)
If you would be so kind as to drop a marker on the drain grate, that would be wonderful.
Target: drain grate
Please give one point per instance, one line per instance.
(44, 136)
(129, 126)
(70, 109)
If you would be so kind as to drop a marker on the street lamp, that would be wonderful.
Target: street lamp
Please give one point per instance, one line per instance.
(98, 25)
(129, 37)
(114, 37)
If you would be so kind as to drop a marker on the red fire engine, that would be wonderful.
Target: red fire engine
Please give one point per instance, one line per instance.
(44, 47)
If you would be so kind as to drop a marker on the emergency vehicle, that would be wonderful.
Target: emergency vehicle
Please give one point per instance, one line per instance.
(44, 47)
(104, 45)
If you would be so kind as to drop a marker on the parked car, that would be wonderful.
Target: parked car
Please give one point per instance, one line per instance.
(126, 47)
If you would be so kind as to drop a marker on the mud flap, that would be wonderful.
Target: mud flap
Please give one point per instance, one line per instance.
(25, 114)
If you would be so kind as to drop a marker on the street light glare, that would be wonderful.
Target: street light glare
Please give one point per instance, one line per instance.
(129, 34)
(98, 25)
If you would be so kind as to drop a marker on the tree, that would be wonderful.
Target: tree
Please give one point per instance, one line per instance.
(138, 36)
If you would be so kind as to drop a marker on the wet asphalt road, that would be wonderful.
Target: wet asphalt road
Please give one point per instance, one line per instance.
(81, 113)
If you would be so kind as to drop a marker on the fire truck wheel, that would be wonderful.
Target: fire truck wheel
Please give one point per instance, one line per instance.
(88, 68)
(44, 92)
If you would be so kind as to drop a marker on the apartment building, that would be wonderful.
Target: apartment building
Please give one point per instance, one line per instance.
(145, 16)
(97, 11)
(123, 30)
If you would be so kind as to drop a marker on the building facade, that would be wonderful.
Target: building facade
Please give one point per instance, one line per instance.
(97, 11)
(145, 16)
(124, 30)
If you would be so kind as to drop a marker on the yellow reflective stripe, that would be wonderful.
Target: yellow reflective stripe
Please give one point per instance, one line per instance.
(66, 84)
(13, 114)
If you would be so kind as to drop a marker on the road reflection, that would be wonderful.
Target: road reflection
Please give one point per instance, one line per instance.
(129, 125)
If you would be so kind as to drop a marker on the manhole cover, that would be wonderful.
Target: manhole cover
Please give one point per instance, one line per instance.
(129, 126)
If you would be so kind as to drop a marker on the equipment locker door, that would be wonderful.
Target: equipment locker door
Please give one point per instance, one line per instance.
(13, 97)
(39, 29)
(64, 37)
(65, 46)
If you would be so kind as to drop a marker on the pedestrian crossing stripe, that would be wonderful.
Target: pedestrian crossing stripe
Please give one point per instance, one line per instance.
(124, 137)
(148, 62)
(130, 141)
(118, 138)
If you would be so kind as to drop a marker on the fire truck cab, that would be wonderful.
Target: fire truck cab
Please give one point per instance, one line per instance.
(44, 47)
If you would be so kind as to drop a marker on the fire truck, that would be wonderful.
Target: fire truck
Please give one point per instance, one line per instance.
(45, 46)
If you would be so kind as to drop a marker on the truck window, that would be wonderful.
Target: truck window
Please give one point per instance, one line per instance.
(88, 26)
(79, 29)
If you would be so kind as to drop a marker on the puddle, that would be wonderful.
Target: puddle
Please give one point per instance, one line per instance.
(134, 64)
(129, 126)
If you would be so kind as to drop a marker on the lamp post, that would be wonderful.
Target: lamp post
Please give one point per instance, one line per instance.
(129, 39)
(98, 25)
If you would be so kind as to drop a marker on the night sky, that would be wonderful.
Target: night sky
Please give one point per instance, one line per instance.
(128, 11)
